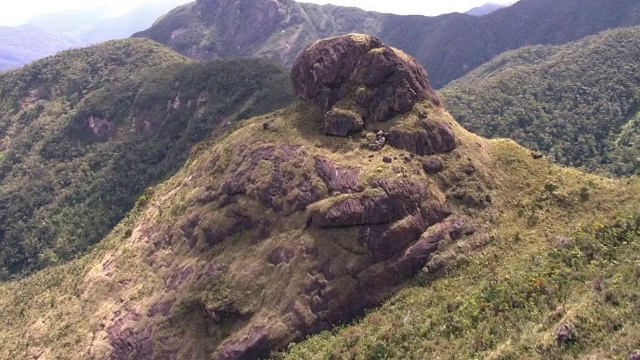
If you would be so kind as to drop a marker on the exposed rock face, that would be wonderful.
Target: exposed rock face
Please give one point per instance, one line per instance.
(265, 175)
(343, 234)
(432, 166)
(127, 343)
(101, 128)
(430, 140)
(337, 178)
(357, 80)
(231, 18)
(254, 345)
(344, 240)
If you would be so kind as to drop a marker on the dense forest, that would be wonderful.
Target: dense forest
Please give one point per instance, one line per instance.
(86, 132)
(578, 102)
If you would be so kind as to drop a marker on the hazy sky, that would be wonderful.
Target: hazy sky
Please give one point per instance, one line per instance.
(15, 12)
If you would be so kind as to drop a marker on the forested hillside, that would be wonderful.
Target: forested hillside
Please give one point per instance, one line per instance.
(449, 45)
(83, 134)
(578, 102)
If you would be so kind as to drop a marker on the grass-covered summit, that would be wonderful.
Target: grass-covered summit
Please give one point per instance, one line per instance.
(84, 133)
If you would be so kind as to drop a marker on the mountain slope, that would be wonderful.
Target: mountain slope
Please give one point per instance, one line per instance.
(84, 133)
(277, 231)
(451, 45)
(577, 102)
(23, 44)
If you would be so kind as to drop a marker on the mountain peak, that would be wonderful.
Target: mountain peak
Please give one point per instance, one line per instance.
(357, 80)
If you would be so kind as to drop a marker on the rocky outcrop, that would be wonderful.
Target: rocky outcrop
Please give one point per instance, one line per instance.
(127, 343)
(232, 17)
(101, 128)
(358, 80)
(429, 139)
(254, 345)
(344, 240)
(344, 234)
(432, 166)
(386, 203)
(337, 178)
(566, 334)
(266, 174)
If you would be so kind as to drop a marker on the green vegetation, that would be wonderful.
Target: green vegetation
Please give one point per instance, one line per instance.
(557, 247)
(84, 133)
(497, 308)
(578, 102)
(552, 248)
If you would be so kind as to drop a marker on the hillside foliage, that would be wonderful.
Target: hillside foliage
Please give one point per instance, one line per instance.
(85, 133)
(578, 103)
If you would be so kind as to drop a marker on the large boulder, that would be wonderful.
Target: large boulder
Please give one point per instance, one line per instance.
(358, 80)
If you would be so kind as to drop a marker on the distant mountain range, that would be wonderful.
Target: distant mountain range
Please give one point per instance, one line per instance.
(98, 24)
(157, 207)
(449, 45)
(48, 34)
(484, 9)
(140, 218)
(23, 44)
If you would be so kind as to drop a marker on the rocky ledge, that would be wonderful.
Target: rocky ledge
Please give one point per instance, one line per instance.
(358, 80)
